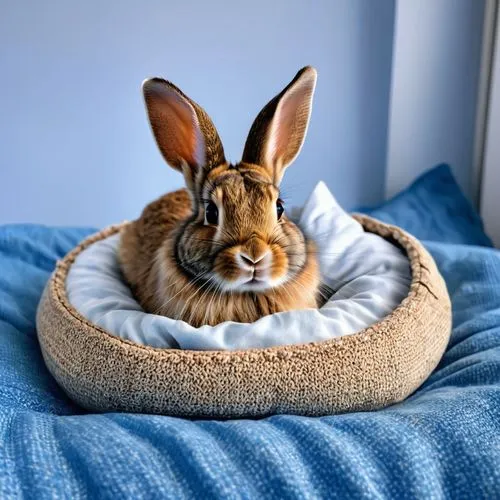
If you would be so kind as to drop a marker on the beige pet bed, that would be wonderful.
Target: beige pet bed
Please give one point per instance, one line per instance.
(375, 367)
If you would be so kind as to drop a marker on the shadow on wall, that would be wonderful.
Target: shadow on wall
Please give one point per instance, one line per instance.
(76, 146)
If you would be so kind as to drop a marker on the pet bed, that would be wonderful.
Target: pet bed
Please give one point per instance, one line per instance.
(378, 365)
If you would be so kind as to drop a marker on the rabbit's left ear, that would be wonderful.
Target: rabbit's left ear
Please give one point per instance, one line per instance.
(278, 132)
(186, 136)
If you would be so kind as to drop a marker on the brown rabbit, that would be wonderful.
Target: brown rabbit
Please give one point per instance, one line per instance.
(223, 249)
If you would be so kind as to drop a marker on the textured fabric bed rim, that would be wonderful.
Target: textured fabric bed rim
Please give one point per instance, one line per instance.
(378, 366)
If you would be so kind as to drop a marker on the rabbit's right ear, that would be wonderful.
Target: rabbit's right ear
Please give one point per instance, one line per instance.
(186, 136)
(278, 132)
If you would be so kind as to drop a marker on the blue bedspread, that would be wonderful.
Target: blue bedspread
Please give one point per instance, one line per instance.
(444, 441)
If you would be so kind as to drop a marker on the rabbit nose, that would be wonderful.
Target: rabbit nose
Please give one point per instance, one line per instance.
(251, 261)
(254, 251)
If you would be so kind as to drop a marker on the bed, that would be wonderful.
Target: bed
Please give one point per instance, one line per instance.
(443, 441)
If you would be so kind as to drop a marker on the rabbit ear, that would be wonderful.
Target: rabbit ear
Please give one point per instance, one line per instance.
(278, 132)
(186, 136)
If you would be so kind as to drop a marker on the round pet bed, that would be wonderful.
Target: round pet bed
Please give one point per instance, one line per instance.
(377, 366)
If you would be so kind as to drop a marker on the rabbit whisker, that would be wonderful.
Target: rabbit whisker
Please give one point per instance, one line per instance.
(212, 284)
(189, 283)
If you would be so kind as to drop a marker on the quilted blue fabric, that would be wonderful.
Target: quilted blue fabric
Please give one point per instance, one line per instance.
(443, 442)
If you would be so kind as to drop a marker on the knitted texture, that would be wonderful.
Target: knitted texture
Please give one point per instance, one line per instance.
(378, 366)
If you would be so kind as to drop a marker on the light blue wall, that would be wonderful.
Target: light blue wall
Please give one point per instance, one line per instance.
(435, 85)
(75, 147)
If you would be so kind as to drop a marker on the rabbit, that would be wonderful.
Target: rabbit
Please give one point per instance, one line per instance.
(222, 249)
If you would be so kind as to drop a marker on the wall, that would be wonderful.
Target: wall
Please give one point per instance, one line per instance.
(437, 56)
(75, 147)
(490, 199)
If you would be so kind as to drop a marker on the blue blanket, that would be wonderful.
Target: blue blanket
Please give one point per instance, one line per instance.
(443, 442)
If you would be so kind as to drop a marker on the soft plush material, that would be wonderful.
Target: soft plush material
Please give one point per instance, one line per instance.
(370, 277)
(434, 205)
(379, 365)
(442, 442)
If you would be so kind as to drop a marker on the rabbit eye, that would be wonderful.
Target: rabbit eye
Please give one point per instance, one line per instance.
(211, 213)
(279, 208)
